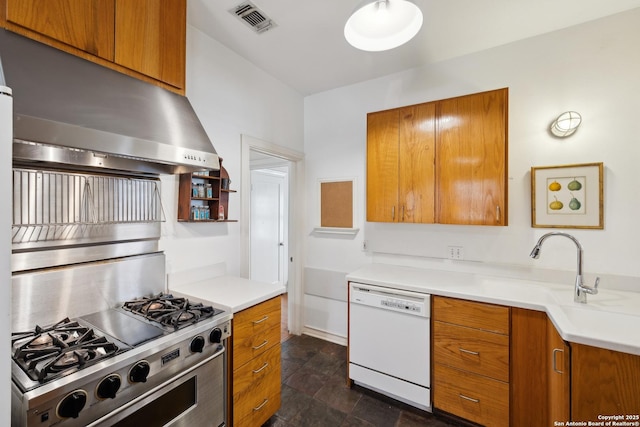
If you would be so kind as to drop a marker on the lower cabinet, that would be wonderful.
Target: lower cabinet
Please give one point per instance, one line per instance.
(604, 382)
(471, 360)
(540, 371)
(508, 366)
(256, 364)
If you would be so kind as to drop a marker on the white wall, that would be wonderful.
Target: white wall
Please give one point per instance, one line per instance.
(231, 97)
(593, 68)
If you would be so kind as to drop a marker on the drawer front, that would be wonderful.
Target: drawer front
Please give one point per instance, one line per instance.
(488, 317)
(470, 396)
(250, 347)
(256, 319)
(480, 352)
(263, 368)
(260, 404)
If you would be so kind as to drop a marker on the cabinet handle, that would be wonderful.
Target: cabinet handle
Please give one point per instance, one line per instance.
(402, 214)
(555, 366)
(393, 213)
(469, 398)
(255, 322)
(257, 371)
(475, 353)
(260, 406)
(261, 345)
(498, 213)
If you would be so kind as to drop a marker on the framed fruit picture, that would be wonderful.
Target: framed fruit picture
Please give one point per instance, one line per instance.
(567, 196)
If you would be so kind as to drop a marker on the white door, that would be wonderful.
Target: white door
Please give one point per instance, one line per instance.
(267, 227)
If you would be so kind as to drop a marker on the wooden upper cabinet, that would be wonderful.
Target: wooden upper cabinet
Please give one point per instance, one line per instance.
(150, 37)
(145, 39)
(400, 170)
(417, 169)
(382, 165)
(472, 159)
(439, 162)
(86, 25)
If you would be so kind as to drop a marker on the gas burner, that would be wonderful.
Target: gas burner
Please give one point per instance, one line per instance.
(169, 310)
(46, 353)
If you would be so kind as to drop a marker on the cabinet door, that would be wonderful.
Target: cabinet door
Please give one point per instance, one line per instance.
(529, 367)
(151, 38)
(559, 376)
(603, 382)
(83, 24)
(382, 166)
(417, 169)
(471, 168)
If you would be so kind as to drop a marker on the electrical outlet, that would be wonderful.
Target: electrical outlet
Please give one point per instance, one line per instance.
(364, 245)
(455, 252)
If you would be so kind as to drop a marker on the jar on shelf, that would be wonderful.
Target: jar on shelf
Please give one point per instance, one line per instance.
(207, 213)
(195, 213)
(194, 190)
(209, 191)
(201, 191)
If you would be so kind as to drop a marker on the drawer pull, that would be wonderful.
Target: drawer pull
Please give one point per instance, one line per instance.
(255, 322)
(256, 371)
(261, 345)
(555, 366)
(470, 399)
(260, 406)
(474, 353)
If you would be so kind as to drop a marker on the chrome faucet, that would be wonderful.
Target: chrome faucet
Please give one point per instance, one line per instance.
(581, 290)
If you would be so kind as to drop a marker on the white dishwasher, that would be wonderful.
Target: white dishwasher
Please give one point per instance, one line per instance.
(389, 339)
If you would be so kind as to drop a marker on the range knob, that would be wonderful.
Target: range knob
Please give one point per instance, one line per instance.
(139, 372)
(71, 405)
(215, 336)
(109, 386)
(197, 344)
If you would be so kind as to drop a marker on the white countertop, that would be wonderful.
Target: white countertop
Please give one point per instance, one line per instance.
(610, 319)
(228, 293)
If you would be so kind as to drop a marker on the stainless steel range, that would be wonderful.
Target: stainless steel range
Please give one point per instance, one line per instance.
(148, 363)
(153, 361)
(96, 341)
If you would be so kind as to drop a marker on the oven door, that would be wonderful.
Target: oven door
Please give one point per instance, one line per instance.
(193, 398)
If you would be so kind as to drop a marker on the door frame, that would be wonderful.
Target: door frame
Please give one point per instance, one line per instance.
(296, 219)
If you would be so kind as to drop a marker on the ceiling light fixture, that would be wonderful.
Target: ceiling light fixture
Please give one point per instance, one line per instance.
(383, 24)
(566, 124)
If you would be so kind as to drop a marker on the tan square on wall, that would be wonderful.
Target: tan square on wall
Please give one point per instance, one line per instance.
(336, 204)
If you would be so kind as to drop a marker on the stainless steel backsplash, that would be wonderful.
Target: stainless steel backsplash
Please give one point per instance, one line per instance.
(55, 212)
(44, 297)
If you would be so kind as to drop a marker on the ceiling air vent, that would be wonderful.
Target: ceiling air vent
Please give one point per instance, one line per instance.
(253, 17)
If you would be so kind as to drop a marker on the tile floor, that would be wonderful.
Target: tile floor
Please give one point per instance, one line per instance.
(314, 392)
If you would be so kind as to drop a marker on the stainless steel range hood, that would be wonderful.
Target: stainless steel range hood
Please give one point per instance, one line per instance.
(69, 111)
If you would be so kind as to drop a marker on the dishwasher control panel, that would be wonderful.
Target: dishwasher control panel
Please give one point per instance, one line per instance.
(390, 299)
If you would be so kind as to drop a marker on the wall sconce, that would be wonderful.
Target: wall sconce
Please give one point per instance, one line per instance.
(378, 25)
(566, 124)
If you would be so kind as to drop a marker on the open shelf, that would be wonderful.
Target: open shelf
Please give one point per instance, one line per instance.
(218, 197)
